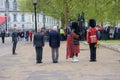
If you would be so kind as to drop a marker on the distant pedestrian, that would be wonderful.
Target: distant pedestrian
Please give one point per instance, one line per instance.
(27, 36)
(22, 35)
(3, 36)
(54, 43)
(30, 35)
(14, 40)
(38, 42)
(92, 39)
(62, 33)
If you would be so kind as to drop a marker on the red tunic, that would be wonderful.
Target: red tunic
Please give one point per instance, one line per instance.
(90, 32)
(71, 48)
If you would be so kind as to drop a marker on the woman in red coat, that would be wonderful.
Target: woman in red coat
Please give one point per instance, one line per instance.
(73, 45)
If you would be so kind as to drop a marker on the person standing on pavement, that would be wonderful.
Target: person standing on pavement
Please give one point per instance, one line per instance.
(54, 43)
(38, 42)
(27, 35)
(62, 33)
(14, 40)
(3, 36)
(92, 38)
(31, 35)
(73, 45)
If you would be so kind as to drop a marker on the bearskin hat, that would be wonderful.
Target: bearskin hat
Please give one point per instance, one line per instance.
(74, 25)
(92, 23)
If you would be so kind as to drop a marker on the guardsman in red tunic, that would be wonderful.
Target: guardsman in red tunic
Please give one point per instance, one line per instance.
(92, 39)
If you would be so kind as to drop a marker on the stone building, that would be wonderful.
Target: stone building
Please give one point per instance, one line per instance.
(11, 16)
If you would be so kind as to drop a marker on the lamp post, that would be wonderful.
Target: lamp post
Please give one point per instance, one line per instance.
(35, 3)
(6, 13)
(44, 20)
(6, 21)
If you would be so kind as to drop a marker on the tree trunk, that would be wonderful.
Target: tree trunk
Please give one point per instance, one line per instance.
(62, 20)
(66, 13)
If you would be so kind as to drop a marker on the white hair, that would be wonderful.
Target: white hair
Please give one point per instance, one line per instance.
(55, 28)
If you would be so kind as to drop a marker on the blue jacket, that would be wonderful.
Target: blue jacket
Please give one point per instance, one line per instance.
(54, 39)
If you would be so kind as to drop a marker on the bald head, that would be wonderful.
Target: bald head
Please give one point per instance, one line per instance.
(38, 30)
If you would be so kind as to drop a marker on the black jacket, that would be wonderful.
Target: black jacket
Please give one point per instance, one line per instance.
(3, 34)
(14, 37)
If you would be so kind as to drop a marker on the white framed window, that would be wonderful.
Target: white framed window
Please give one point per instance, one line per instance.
(22, 17)
(23, 26)
(7, 5)
(15, 5)
(15, 25)
(14, 17)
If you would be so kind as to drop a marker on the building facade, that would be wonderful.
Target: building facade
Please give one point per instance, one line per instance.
(23, 20)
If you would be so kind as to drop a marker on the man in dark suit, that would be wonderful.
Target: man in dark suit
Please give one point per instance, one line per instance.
(38, 42)
(14, 40)
(3, 36)
(54, 43)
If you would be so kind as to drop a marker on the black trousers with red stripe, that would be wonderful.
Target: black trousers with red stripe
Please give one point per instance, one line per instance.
(92, 51)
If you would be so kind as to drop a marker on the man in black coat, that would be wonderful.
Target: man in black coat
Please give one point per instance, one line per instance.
(3, 36)
(38, 42)
(14, 40)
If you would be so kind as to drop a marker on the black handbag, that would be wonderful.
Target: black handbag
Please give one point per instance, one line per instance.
(76, 41)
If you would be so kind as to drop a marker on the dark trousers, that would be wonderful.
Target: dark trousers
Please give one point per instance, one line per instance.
(31, 39)
(62, 37)
(92, 51)
(27, 38)
(14, 47)
(3, 39)
(38, 53)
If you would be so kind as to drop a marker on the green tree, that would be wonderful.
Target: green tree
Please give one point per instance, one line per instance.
(65, 10)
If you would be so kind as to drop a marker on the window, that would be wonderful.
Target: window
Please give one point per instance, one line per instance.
(32, 18)
(23, 17)
(44, 19)
(15, 17)
(14, 25)
(1, 4)
(7, 5)
(23, 26)
(15, 5)
(38, 18)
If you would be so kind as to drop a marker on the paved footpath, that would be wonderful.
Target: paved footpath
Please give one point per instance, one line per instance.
(23, 67)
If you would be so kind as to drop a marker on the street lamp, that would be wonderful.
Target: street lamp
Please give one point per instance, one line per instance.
(35, 3)
(6, 13)
(44, 20)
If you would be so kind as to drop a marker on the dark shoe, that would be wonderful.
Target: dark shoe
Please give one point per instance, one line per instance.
(55, 61)
(39, 62)
(14, 54)
(92, 60)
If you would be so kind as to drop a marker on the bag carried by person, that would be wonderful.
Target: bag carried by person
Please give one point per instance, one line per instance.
(75, 41)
